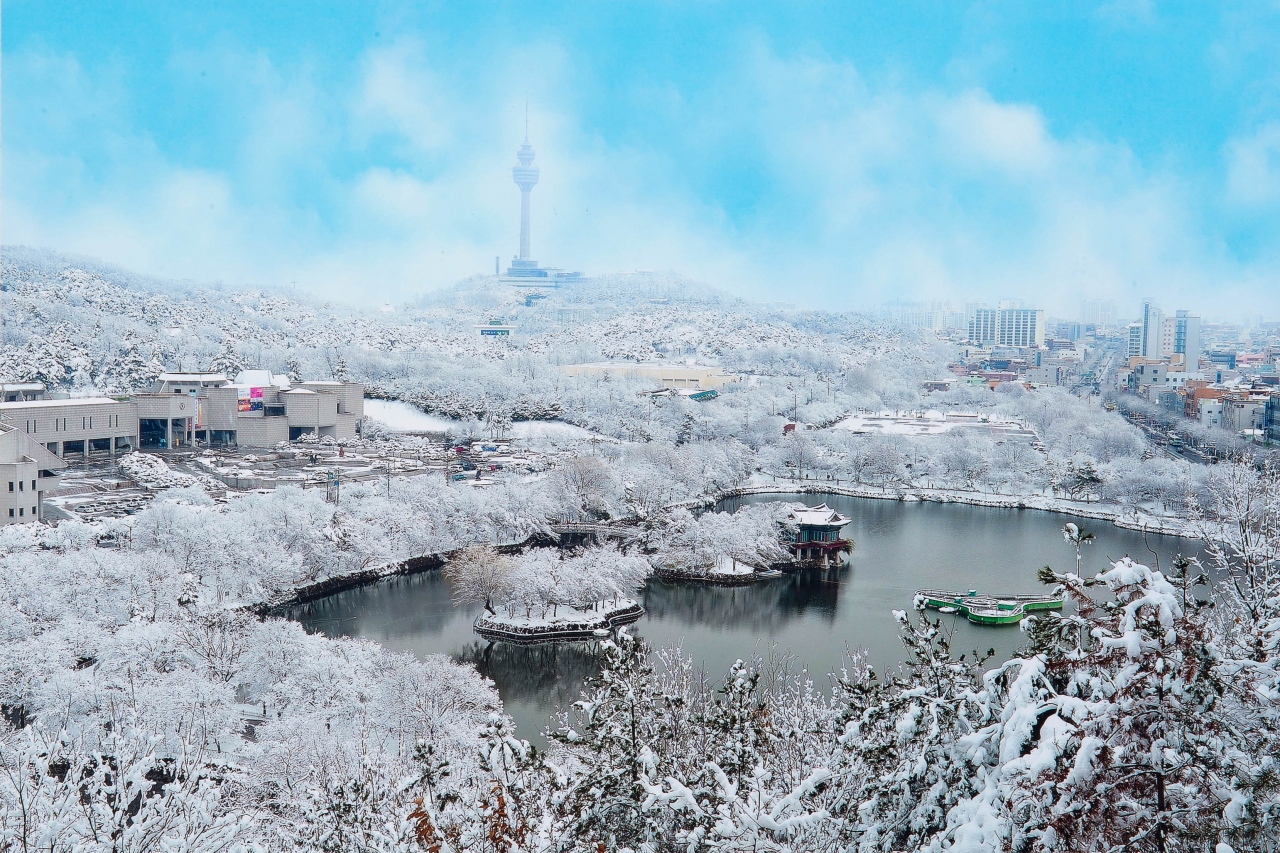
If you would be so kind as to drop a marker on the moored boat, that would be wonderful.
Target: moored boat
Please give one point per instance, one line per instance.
(985, 609)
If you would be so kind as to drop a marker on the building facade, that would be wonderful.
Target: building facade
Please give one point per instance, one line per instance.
(1152, 331)
(1135, 340)
(1010, 327)
(257, 409)
(27, 471)
(670, 375)
(77, 426)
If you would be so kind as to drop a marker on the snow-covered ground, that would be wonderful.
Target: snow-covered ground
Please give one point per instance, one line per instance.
(932, 423)
(402, 417)
(726, 565)
(553, 432)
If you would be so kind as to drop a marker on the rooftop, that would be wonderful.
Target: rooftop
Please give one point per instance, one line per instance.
(820, 515)
(70, 401)
(193, 377)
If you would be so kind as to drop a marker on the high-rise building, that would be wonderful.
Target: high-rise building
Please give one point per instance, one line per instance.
(1163, 337)
(1098, 312)
(1135, 340)
(1186, 339)
(982, 325)
(1020, 327)
(1007, 326)
(1152, 331)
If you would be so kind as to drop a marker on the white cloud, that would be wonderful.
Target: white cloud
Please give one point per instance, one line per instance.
(1006, 137)
(1253, 167)
(868, 191)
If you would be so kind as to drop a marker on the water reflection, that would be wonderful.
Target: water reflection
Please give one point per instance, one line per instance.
(761, 608)
(549, 675)
(814, 615)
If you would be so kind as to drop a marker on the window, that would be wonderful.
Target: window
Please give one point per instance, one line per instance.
(33, 511)
(21, 485)
(11, 512)
(21, 512)
(11, 485)
(33, 485)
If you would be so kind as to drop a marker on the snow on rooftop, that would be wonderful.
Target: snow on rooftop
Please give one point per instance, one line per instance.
(260, 379)
(70, 401)
(819, 515)
(193, 377)
(932, 423)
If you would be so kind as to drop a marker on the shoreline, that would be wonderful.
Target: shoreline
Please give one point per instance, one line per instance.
(710, 579)
(1099, 512)
(276, 606)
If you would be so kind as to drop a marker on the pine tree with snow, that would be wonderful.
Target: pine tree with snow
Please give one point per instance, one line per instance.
(293, 369)
(734, 797)
(128, 369)
(341, 372)
(227, 361)
(609, 732)
(907, 743)
(1115, 733)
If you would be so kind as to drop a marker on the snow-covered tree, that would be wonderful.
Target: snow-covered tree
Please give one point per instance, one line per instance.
(480, 575)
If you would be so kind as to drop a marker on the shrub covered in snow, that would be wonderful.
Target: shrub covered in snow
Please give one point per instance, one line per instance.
(152, 471)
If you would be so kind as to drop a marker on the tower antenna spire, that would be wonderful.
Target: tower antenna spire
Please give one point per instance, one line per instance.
(525, 175)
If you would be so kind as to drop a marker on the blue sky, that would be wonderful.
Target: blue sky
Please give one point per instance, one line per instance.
(827, 153)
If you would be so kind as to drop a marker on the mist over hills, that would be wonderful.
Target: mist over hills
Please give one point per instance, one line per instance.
(79, 324)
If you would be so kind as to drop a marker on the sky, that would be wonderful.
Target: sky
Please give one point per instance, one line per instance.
(834, 154)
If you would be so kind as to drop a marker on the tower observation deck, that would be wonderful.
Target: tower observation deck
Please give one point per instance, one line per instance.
(526, 177)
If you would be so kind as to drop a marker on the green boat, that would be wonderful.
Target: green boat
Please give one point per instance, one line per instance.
(989, 609)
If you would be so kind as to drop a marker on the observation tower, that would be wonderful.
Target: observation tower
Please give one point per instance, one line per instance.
(524, 270)
(525, 174)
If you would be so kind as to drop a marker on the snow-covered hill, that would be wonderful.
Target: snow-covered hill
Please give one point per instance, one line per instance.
(79, 324)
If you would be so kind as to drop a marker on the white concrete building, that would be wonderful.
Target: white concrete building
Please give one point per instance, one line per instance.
(1209, 412)
(258, 409)
(27, 470)
(670, 375)
(76, 426)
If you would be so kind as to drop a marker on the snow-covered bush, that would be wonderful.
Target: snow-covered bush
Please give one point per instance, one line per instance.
(151, 471)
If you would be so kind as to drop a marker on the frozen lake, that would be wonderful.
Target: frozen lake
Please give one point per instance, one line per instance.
(813, 615)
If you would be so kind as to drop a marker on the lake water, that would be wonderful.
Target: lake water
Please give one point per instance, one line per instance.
(815, 615)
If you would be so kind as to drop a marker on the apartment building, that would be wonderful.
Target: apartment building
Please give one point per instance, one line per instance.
(1008, 326)
(1243, 413)
(1161, 336)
